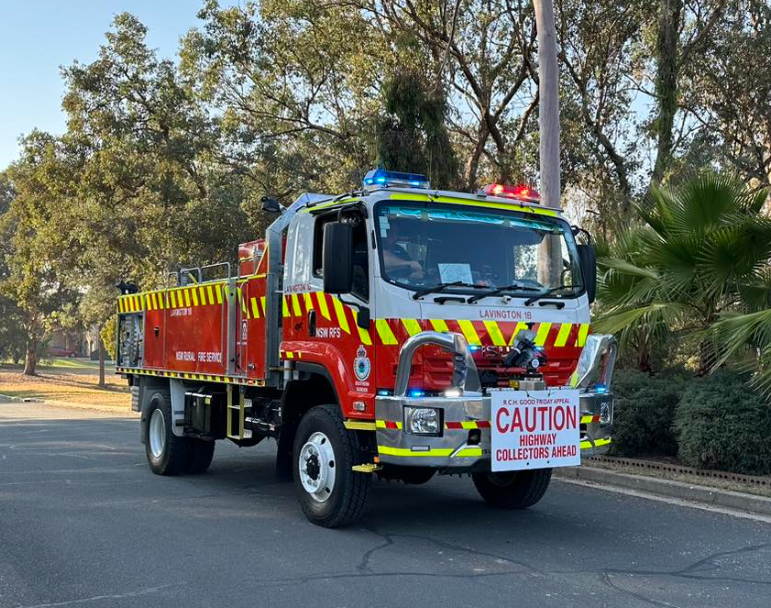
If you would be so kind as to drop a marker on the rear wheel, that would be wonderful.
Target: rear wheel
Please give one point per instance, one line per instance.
(330, 493)
(512, 489)
(166, 453)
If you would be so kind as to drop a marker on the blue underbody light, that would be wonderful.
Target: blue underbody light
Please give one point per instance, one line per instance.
(474, 348)
(416, 392)
(381, 177)
(601, 388)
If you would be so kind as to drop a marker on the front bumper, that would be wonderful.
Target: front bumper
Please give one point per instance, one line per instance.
(465, 435)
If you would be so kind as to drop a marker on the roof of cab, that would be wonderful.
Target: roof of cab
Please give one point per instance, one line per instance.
(437, 196)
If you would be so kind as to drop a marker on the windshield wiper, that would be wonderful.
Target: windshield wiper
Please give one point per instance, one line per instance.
(546, 294)
(501, 290)
(441, 287)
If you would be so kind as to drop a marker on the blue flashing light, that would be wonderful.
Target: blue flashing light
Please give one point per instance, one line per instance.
(416, 393)
(601, 388)
(384, 392)
(381, 177)
(474, 348)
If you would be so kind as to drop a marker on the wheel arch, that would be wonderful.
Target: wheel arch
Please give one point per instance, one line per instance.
(147, 386)
(315, 387)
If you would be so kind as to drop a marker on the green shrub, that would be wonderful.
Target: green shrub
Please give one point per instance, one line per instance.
(721, 423)
(644, 413)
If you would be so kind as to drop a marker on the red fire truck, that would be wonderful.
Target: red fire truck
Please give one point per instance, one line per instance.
(396, 330)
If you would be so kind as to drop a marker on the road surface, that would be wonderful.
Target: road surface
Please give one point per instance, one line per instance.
(84, 523)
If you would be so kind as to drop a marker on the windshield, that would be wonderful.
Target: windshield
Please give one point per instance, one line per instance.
(424, 246)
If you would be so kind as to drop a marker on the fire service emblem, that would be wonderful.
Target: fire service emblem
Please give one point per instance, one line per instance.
(361, 364)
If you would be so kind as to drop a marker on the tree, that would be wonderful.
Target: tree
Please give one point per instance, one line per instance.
(412, 136)
(296, 87)
(703, 251)
(487, 48)
(730, 92)
(36, 241)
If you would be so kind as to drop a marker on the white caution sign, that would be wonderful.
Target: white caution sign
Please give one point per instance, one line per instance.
(535, 429)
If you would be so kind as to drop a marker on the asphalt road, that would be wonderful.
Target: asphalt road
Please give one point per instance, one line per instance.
(84, 523)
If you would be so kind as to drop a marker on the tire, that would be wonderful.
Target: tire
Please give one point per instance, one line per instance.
(512, 490)
(328, 452)
(166, 453)
(200, 454)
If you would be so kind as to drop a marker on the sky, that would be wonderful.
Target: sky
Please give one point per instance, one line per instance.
(39, 36)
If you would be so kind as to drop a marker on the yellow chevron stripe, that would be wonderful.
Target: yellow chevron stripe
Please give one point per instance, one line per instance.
(467, 327)
(284, 307)
(219, 290)
(440, 325)
(120, 304)
(210, 292)
(562, 336)
(255, 308)
(173, 296)
(543, 332)
(583, 331)
(187, 297)
(412, 326)
(342, 321)
(202, 295)
(308, 301)
(262, 302)
(384, 331)
(364, 336)
(194, 296)
(495, 333)
(323, 305)
(296, 306)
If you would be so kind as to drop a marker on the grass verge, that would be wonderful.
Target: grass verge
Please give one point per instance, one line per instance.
(75, 388)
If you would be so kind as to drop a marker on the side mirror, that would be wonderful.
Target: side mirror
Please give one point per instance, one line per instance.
(271, 205)
(337, 258)
(588, 260)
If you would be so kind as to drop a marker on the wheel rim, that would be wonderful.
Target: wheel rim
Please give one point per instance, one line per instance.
(157, 433)
(317, 467)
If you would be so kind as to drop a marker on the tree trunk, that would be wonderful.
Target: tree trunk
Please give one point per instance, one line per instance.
(30, 362)
(550, 258)
(667, 61)
(101, 359)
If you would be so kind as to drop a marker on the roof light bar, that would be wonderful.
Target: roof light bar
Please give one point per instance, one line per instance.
(380, 178)
(520, 192)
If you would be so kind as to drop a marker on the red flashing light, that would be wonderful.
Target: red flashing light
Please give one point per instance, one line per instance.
(520, 192)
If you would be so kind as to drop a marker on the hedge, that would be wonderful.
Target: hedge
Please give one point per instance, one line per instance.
(644, 413)
(721, 423)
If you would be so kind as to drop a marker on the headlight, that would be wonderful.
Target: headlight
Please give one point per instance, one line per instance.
(422, 421)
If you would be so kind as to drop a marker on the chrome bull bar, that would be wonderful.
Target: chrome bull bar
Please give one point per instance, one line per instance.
(464, 437)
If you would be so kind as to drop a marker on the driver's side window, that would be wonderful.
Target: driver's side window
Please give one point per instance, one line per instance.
(360, 252)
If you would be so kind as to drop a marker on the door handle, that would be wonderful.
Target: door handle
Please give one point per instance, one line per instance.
(312, 323)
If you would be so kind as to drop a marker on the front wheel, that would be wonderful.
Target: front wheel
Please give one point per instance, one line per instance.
(512, 489)
(330, 493)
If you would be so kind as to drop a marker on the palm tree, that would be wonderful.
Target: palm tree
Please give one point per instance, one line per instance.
(701, 252)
